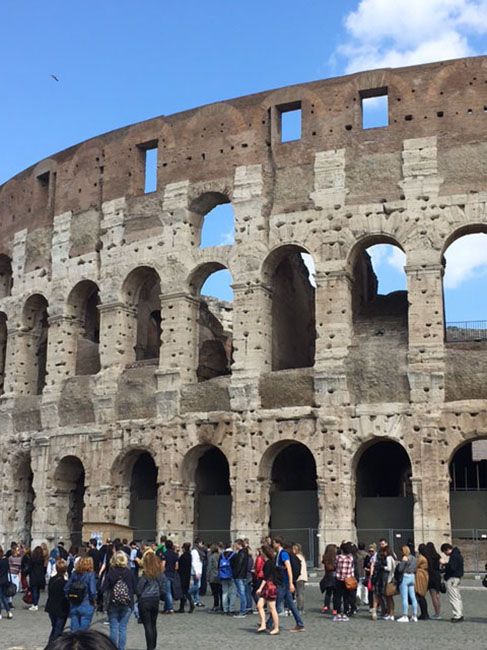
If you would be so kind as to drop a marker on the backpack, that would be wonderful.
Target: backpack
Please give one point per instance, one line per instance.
(151, 590)
(77, 592)
(120, 594)
(295, 566)
(225, 568)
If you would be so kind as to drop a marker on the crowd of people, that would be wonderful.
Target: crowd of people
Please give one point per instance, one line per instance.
(354, 575)
(124, 579)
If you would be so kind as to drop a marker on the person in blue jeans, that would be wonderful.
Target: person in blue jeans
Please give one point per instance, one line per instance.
(240, 563)
(407, 568)
(171, 566)
(120, 585)
(82, 606)
(285, 588)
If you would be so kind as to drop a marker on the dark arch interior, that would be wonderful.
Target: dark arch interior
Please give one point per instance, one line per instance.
(213, 500)
(468, 490)
(294, 468)
(71, 477)
(26, 497)
(384, 470)
(293, 314)
(468, 470)
(143, 497)
(87, 356)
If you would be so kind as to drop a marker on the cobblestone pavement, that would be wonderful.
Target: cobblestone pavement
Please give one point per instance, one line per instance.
(204, 630)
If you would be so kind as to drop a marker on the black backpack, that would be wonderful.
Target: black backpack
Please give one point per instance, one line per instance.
(77, 592)
(295, 566)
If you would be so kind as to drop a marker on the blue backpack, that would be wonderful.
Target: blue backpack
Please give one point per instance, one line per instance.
(225, 567)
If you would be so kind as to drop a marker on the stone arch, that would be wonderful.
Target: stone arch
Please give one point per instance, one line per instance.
(3, 349)
(293, 307)
(22, 505)
(289, 477)
(141, 292)
(134, 476)
(384, 503)
(214, 325)
(82, 306)
(69, 490)
(6, 279)
(460, 231)
(35, 328)
(203, 207)
(205, 472)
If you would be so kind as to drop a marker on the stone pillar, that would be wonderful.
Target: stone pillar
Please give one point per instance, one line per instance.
(426, 370)
(45, 517)
(246, 521)
(248, 203)
(252, 343)
(20, 371)
(61, 350)
(178, 358)
(334, 331)
(329, 178)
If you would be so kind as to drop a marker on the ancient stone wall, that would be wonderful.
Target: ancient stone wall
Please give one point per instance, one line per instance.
(94, 272)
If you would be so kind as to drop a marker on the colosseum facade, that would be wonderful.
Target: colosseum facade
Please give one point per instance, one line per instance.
(133, 405)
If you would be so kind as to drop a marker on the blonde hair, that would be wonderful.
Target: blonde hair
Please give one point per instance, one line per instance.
(405, 550)
(119, 559)
(84, 565)
(151, 564)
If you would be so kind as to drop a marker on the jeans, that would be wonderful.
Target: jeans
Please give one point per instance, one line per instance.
(194, 590)
(16, 580)
(285, 598)
(36, 593)
(81, 616)
(168, 599)
(57, 624)
(4, 600)
(248, 592)
(241, 585)
(149, 609)
(118, 618)
(228, 595)
(406, 589)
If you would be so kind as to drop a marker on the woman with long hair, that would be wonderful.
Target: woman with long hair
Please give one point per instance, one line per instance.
(422, 581)
(81, 593)
(389, 585)
(4, 580)
(37, 576)
(328, 582)
(57, 605)
(150, 587)
(120, 587)
(434, 577)
(407, 568)
(267, 591)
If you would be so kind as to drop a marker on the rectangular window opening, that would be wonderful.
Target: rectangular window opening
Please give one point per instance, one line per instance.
(290, 117)
(375, 108)
(150, 173)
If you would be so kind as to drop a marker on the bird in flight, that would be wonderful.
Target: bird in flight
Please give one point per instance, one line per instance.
(55, 77)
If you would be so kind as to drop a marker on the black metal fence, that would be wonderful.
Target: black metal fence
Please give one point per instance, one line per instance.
(465, 331)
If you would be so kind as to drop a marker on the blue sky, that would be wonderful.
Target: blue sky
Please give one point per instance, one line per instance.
(120, 61)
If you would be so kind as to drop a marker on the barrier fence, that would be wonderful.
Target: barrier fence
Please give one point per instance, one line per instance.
(464, 331)
(472, 542)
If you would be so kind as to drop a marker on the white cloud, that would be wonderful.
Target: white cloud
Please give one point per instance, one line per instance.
(310, 265)
(227, 238)
(466, 259)
(383, 33)
(386, 254)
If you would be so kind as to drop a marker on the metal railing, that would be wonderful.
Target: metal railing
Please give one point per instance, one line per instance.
(465, 331)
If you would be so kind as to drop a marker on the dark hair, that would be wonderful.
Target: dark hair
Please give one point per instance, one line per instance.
(94, 541)
(82, 640)
(198, 541)
(214, 548)
(268, 551)
(278, 540)
(446, 547)
(422, 550)
(169, 544)
(361, 546)
(1, 552)
(329, 557)
(38, 554)
(431, 551)
(346, 548)
(186, 547)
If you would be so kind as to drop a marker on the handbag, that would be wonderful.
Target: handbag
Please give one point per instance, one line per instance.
(351, 583)
(391, 589)
(27, 597)
(10, 589)
(443, 587)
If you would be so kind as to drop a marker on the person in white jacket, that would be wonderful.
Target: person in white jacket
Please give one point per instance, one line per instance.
(302, 578)
(196, 572)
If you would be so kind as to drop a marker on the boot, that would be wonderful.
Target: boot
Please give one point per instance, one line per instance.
(182, 603)
(191, 604)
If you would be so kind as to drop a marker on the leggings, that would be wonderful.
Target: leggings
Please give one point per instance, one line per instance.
(343, 597)
(148, 610)
(216, 592)
(330, 594)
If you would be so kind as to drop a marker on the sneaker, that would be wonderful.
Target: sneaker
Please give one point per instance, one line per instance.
(334, 612)
(33, 608)
(324, 610)
(457, 620)
(435, 617)
(10, 615)
(199, 605)
(240, 616)
(414, 619)
(337, 618)
(297, 628)
(345, 618)
(374, 615)
(403, 619)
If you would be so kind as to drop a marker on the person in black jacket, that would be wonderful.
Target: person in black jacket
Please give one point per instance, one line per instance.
(240, 562)
(184, 570)
(453, 574)
(119, 612)
(4, 569)
(57, 605)
(37, 576)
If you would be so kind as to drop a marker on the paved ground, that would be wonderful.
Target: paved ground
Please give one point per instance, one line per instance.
(204, 630)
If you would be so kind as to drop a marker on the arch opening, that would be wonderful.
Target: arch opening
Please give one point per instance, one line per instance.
(3, 350)
(36, 326)
(83, 305)
(214, 220)
(380, 323)
(143, 497)
(6, 278)
(212, 495)
(293, 307)
(215, 326)
(294, 496)
(143, 290)
(383, 493)
(24, 500)
(69, 481)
